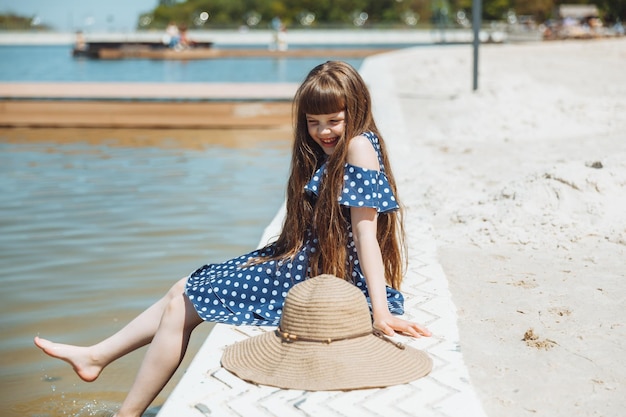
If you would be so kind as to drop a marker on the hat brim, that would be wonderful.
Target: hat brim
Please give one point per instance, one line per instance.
(359, 363)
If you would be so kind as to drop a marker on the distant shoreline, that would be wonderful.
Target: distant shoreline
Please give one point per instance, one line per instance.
(264, 37)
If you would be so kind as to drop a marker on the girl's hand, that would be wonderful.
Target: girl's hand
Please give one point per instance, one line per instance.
(390, 324)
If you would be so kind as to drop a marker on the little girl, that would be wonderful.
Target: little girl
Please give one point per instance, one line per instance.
(343, 218)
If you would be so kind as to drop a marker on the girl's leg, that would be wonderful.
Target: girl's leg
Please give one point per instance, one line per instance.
(163, 356)
(89, 361)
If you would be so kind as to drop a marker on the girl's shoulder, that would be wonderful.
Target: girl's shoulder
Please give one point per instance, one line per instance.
(371, 137)
(364, 151)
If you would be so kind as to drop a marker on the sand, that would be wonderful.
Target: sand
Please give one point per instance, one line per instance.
(523, 185)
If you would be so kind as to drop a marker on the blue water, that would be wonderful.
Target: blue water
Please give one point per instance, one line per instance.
(95, 225)
(55, 63)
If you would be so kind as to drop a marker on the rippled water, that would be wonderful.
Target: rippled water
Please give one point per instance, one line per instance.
(95, 226)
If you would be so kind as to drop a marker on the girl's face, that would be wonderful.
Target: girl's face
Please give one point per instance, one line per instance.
(326, 129)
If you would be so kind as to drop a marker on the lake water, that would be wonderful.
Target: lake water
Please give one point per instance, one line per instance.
(55, 63)
(94, 228)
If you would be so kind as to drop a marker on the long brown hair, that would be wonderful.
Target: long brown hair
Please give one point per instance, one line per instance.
(330, 88)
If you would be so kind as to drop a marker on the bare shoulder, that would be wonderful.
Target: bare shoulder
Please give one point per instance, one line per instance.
(361, 153)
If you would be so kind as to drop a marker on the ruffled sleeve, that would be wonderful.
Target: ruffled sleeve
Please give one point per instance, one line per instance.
(364, 187)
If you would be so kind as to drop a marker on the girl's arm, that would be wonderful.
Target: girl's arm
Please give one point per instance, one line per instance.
(364, 225)
(370, 259)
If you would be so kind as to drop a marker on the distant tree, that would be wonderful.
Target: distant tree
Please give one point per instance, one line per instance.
(539, 9)
(347, 12)
(612, 10)
(11, 21)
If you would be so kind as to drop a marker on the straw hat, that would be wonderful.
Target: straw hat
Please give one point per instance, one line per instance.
(325, 341)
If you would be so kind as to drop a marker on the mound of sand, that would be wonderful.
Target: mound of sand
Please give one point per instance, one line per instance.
(559, 206)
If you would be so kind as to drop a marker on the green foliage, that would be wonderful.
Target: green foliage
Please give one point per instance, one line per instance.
(12, 21)
(236, 12)
(495, 9)
(541, 9)
(233, 13)
(611, 10)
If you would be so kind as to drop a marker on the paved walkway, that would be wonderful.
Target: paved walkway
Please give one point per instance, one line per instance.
(208, 389)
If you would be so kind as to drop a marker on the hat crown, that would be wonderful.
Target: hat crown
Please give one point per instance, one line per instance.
(325, 308)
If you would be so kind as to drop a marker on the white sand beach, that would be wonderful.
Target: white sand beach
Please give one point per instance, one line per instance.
(522, 184)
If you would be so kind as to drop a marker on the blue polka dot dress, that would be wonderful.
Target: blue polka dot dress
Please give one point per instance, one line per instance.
(237, 293)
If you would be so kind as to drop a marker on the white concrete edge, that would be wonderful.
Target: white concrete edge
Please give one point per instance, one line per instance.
(271, 232)
(390, 120)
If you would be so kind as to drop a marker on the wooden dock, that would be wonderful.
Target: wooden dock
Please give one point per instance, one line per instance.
(216, 53)
(146, 105)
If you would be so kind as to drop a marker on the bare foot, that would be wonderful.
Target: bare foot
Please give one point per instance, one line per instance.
(79, 357)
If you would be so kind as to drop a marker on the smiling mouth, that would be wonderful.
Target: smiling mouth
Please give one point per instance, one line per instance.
(329, 141)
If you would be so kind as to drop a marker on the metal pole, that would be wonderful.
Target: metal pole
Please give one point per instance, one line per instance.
(476, 21)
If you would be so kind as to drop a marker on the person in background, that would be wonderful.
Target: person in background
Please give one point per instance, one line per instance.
(172, 35)
(80, 44)
(279, 36)
(184, 42)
